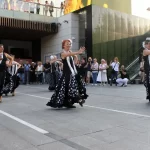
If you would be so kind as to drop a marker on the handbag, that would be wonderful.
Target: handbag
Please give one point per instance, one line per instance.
(113, 71)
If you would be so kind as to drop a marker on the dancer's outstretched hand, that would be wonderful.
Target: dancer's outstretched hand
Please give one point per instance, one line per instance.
(81, 50)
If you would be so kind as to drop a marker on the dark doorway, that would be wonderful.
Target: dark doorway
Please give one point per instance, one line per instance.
(20, 53)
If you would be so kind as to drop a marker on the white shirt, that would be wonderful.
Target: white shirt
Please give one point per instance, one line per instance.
(32, 6)
(103, 66)
(115, 66)
(1, 56)
(52, 4)
(40, 68)
(13, 69)
(94, 67)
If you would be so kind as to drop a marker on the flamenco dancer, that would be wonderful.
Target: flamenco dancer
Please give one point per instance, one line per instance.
(54, 72)
(3, 64)
(12, 80)
(70, 88)
(146, 57)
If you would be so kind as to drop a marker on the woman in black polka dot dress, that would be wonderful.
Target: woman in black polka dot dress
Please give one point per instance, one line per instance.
(70, 88)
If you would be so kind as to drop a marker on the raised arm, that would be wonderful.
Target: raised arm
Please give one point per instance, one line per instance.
(9, 57)
(9, 63)
(146, 52)
(80, 51)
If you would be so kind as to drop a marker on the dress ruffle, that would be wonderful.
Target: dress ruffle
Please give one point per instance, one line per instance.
(11, 83)
(68, 93)
(53, 80)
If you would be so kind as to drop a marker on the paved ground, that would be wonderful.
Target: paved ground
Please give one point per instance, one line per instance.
(113, 118)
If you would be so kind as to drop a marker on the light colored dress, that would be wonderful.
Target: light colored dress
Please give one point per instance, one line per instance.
(102, 74)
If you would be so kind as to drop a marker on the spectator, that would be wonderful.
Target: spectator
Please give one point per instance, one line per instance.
(83, 69)
(102, 75)
(51, 8)
(21, 72)
(124, 77)
(39, 70)
(32, 73)
(47, 70)
(115, 68)
(25, 6)
(94, 69)
(61, 8)
(107, 72)
(46, 7)
(27, 72)
(32, 6)
(38, 7)
(88, 66)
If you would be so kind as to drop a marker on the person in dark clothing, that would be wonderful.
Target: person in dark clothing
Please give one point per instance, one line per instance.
(83, 69)
(123, 80)
(54, 73)
(11, 79)
(3, 65)
(32, 73)
(47, 70)
(27, 73)
(78, 65)
(146, 57)
(21, 72)
(70, 88)
(89, 71)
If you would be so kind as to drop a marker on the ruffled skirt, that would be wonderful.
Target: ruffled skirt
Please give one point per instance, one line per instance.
(69, 90)
(53, 80)
(11, 83)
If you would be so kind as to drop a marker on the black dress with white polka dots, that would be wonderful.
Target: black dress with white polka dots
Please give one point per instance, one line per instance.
(69, 90)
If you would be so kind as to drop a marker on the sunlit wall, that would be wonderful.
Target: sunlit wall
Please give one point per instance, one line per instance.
(119, 5)
(117, 34)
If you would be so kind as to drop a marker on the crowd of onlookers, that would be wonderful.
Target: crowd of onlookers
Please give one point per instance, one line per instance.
(32, 72)
(97, 73)
(91, 71)
(32, 6)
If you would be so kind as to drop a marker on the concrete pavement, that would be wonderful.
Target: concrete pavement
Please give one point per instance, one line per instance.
(113, 118)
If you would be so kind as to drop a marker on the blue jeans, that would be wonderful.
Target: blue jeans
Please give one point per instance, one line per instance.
(21, 76)
(94, 77)
(26, 77)
(113, 76)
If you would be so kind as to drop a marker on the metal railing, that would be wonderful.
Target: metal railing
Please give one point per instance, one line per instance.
(133, 66)
(31, 7)
(132, 63)
(132, 58)
(133, 71)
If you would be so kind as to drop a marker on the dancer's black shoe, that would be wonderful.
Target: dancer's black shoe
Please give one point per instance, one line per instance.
(148, 98)
(81, 102)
